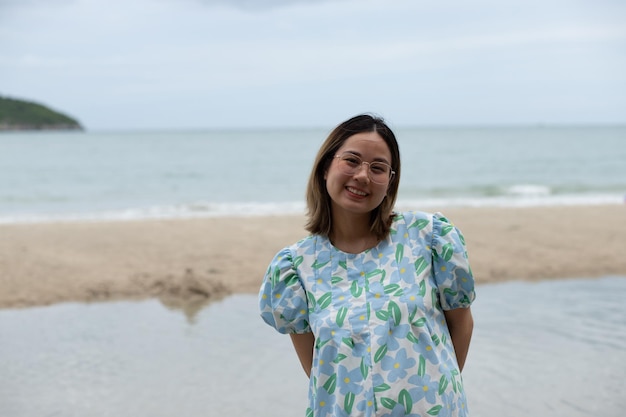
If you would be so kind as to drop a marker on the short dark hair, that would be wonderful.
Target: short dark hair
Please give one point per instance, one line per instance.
(317, 197)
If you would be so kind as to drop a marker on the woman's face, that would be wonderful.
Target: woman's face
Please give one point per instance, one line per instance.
(357, 193)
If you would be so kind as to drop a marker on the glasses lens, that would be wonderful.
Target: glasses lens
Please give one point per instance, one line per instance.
(379, 172)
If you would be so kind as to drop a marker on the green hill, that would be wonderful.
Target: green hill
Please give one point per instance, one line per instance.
(26, 115)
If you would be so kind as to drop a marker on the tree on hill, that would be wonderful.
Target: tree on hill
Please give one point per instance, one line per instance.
(26, 115)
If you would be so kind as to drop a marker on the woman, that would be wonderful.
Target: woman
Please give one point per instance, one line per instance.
(377, 303)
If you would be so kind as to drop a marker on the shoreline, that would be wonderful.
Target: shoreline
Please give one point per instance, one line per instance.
(189, 262)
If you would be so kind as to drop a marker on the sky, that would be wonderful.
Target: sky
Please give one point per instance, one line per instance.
(212, 64)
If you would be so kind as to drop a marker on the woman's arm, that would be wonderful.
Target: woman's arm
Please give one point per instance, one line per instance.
(304, 348)
(461, 325)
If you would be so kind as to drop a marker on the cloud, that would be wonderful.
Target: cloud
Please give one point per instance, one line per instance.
(243, 5)
(106, 57)
(260, 5)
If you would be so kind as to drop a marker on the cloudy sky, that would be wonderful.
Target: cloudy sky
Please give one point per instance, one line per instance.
(192, 64)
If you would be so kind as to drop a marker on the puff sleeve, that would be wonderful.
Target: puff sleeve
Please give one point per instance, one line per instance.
(451, 268)
(282, 298)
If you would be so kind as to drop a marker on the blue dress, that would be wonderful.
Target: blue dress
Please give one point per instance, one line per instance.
(382, 345)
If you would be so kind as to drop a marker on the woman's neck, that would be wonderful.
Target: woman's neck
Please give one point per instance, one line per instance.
(352, 234)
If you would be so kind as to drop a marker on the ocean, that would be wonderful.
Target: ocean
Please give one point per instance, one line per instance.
(66, 176)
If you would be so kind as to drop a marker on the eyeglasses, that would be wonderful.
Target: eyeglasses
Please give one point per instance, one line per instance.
(378, 172)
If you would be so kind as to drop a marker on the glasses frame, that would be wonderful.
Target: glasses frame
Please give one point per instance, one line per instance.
(369, 164)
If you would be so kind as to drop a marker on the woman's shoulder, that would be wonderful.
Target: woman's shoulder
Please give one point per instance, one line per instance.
(305, 245)
(413, 218)
(424, 223)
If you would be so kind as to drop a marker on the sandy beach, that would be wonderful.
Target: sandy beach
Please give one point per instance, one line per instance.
(197, 260)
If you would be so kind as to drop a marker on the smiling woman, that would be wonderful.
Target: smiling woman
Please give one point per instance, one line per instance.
(377, 303)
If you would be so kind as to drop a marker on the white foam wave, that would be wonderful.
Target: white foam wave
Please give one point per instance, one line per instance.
(515, 200)
(182, 211)
(251, 209)
(529, 190)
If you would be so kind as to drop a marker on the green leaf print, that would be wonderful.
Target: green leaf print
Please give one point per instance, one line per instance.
(446, 229)
(447, 251)
(394, 311)
(275, 277)
(406, 401)
(420, 265)
(309, 412)
(412, 338)
(348, 402)
(382, 314)
(433, 294)
(399, 252)
(461, 238)
(341, 316)
(364, 368)
(343, 264)
(319, 342)
(311, 298)
(420, 224)
(336, 280)
(443, 384)
(374, 272)
(422, 285)
(391, 288)
(388, 403)
(325, 300)
(331, 384)
(355, 290)
(340, 357)
(318, 265)
(412, 314)
(348, 342)
(297, 261)
(421, 369)
(435, 410)
(435, 339)
(380, 353)
(382, 387)
(291, 279)
(419, 322)
(450, 291)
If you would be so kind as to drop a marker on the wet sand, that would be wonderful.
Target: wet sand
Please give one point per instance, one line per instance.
(197, 260)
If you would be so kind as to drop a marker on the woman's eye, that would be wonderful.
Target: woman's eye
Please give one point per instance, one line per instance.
(378, 169)
(352, 160)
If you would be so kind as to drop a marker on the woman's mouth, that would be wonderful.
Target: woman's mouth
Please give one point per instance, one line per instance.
(356, 191)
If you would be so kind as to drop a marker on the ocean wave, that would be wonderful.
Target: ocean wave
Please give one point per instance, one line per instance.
(518, 197)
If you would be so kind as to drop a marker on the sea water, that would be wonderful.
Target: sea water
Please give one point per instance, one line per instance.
(555, 348)
(134, 175)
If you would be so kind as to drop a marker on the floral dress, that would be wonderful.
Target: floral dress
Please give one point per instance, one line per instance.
(382, 345)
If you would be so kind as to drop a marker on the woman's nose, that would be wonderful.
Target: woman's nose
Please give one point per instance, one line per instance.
(362, 171)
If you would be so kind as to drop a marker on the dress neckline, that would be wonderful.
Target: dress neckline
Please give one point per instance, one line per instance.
(335, 249)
